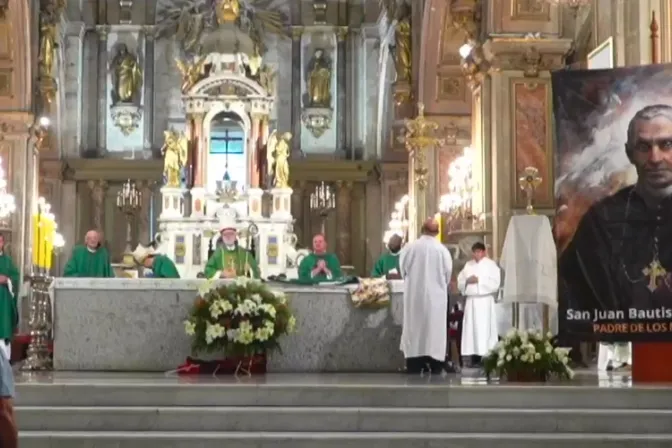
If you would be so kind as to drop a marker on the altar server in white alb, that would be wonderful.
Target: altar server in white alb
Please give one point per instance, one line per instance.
(426, 267)
(479, 283)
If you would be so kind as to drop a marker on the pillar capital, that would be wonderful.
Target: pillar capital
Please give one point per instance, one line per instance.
(531, 56)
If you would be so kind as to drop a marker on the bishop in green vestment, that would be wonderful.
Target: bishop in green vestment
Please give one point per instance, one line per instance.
(388, 264)
(9, 289)
(320, 265)
(231, 260)
(89, 260)
(161, 265)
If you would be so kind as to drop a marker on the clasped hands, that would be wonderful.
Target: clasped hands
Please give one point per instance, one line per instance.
(3, 279)
(232, 272)
(471, 280)
(321, 267)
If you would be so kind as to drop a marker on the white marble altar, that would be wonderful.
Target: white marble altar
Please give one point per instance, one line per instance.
(136, 325)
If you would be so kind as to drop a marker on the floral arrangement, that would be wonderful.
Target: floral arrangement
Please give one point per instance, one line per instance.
(371, 293)
(240, 318)
(527, 355)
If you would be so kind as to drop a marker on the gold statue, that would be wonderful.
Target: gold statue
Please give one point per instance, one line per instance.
(319, 81)
(254, 62)
(175, 152)
(277, 157)
(403, 56)
(191, 72)
(267, 79)
(228, 11)
(47, 46)
(126, 76)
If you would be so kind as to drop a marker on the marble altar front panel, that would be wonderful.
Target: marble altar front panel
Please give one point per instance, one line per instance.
(136, 325)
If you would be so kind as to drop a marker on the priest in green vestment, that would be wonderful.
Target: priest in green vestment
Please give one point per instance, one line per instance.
(89, 260)
(9, 289)
(320, 265)
(230, 260)
(388, 264)
(161, 265)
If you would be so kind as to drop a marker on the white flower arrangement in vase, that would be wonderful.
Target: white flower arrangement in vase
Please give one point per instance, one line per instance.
(525, 355)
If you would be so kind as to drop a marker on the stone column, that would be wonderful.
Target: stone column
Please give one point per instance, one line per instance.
(71, 121)
(102, 93)
(254, 177)
(144, 217)
(98, 189)
(343, 218)
(297, 208)
(515, 107)
(199, 151)
(297, 69)
(148, 85)
(342, 128)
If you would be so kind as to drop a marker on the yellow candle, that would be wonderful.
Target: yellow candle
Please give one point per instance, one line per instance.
(48, 242)
(36, 252)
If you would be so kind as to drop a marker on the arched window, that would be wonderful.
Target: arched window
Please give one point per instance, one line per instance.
(227, 159)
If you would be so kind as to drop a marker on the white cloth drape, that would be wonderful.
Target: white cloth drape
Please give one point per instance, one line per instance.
(479, 325)
(616, 354)
(426, 267)
(529, 260)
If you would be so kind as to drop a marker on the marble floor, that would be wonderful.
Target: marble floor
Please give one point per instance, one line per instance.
(584, 378)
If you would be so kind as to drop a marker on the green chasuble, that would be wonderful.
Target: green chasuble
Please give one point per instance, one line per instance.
(9, 314)
(163, 267)
(236, 258)
(310, 262)
(85, 263)
(385, 264)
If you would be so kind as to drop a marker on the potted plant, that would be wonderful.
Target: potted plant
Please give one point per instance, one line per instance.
(243, 319)
(526, 356)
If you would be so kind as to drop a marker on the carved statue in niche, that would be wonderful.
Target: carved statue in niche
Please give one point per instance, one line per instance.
(192, 72)
(277, 157)
(318, 79)
(126, 76)
(175, 151)
(47, 42)
(403, 54)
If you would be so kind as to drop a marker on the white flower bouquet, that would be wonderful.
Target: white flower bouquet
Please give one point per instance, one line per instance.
(239, 318)
(527, 356)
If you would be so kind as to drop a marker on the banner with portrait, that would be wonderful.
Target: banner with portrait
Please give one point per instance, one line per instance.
(613, 186)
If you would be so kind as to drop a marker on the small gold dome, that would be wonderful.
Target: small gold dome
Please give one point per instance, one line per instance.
(228, 11)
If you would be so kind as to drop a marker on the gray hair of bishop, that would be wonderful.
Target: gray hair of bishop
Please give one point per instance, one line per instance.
(645, 114)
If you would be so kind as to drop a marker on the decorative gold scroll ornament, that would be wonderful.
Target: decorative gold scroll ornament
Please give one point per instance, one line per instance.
(529, 181)
(192, 72)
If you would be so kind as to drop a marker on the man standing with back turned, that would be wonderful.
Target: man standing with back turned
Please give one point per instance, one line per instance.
(426, 266)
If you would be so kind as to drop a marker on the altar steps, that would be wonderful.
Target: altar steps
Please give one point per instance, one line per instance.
(329, 411)
(343, 420)
(333, 440)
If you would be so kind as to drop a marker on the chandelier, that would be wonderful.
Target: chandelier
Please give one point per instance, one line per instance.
(457, 204)
(7, 202)
(398, 224)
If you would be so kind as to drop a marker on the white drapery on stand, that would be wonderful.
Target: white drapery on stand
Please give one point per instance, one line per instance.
(614, 354)
(529, 260)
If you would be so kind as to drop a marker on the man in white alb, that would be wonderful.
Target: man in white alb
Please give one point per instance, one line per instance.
(426, 267)
(479, 283)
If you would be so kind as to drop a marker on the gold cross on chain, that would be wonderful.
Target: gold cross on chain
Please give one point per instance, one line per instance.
(654, 271)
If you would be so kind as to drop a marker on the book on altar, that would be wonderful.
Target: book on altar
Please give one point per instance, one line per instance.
(529, 260)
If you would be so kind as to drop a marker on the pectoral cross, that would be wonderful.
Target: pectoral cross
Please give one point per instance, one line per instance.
(654, 271)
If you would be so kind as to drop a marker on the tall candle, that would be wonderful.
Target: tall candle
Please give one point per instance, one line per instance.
(437, 217)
